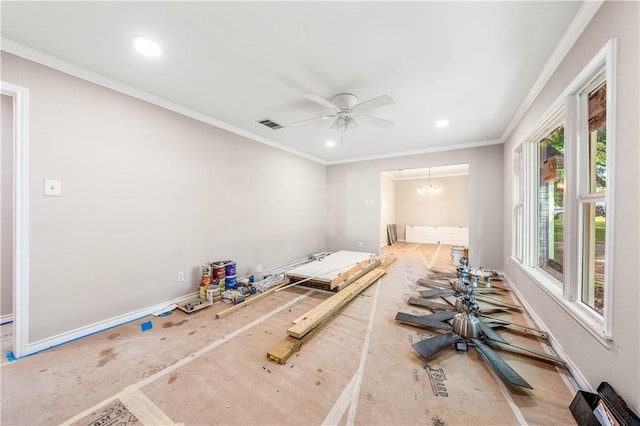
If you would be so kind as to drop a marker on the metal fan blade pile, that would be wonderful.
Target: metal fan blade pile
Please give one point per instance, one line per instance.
(466, 323)
(347, 112)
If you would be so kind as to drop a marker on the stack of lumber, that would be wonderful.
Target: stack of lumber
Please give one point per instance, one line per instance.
(333, 272)
(306, 326)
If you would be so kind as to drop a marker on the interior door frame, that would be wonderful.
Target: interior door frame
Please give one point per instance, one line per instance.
(20, 97)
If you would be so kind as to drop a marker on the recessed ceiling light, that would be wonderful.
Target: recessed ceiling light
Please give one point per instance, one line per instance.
(146, 46)
(330, 143)
(442, 123)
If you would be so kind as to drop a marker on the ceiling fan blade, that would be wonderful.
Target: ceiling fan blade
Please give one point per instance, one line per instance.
(541, 333)
(507, 373)
(434, 272)
(374, 103)
(428, 304)
(497, 302)
(436, 292)
(442, 315)
(320, 100)
(432, 283)
(532, 353)
(309, 120)
(490, 333)
(487, 290)
(380, 122)
(492, 310)
(433, 345)
(424, 321)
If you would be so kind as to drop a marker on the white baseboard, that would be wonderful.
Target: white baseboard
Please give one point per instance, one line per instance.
(6, 318)
(575, 372)
(97, 327)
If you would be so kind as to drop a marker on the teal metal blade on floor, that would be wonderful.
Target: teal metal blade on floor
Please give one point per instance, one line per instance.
(490, 333)
(429, 304)
(433, 283)
(436, 292)
(423, 321)
(498, 364)
(433, 345)
(441, 315)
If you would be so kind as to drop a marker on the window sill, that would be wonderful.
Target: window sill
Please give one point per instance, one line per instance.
(575, 309)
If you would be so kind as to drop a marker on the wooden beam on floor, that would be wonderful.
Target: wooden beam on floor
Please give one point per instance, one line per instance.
(281, 352)
(290, 345)
(326, 309)
(250, 300)
(317, 308)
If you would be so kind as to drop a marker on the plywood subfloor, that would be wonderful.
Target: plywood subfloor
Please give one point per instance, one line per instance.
(359, 369)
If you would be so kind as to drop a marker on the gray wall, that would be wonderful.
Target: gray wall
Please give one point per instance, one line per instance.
(387, 207)
(448, 208)
(620, 364)
(147, 193)
(6, 207)
(354, 199)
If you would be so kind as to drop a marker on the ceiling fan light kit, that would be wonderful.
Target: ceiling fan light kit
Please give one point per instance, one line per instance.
(347, 111)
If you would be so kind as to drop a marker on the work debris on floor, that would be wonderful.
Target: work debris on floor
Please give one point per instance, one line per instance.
(302, 352)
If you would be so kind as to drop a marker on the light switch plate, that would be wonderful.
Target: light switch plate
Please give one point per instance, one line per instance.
(52, 188)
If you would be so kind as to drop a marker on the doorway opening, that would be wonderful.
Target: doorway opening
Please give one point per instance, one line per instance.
(15, 202)
(428, 205)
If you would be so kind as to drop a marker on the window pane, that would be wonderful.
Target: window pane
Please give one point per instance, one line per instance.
(593, 282)
(598, 139)
(551, 203)
(518, 181)
(519, 229)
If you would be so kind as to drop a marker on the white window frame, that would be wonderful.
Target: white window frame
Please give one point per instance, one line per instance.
(517, 243)
(566, 110)
(557, 118)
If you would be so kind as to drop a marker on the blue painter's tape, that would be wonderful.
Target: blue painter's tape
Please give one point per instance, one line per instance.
(165, 314)
(10, 356)
(146, 326)
(80, 337)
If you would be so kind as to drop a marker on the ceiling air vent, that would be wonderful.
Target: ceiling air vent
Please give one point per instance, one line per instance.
(270, 124)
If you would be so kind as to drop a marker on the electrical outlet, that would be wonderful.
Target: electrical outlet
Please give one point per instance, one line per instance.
(289, 250)
(360, 244)
(180, 277)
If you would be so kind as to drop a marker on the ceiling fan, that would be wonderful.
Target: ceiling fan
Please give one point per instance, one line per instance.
(347, 112)
(470, 326)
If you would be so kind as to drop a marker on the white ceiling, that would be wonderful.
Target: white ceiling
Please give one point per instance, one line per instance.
(234, 63)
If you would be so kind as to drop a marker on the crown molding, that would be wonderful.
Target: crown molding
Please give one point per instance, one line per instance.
(417, 152)
(50, 61)
(578, 24)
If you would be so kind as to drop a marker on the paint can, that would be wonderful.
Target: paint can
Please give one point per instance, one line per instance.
(206, 275)
(231, 282)
(218, 270)
(457, 253)
(212, 292)
(230, 268)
